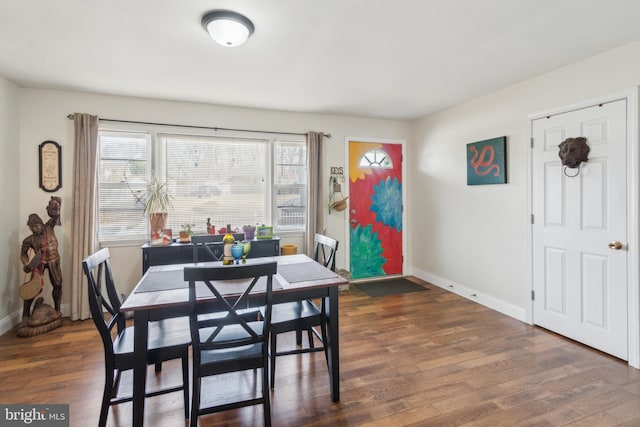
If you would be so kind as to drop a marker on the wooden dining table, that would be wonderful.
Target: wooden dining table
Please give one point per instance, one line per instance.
(162, 292)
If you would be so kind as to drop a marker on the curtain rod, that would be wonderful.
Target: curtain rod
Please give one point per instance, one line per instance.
(326, 135)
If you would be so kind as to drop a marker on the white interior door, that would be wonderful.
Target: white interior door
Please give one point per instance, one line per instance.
(579, 282)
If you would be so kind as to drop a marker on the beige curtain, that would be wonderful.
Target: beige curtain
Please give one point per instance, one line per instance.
(84, 239)
(315, 197)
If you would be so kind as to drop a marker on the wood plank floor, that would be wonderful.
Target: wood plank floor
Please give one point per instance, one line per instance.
(418, 359)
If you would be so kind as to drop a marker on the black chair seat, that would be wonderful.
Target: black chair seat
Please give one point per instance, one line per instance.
(295, 315)
(214, 361)
(163, 335)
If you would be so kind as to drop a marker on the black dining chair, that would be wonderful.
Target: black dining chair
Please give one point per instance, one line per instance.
(207, 247)
(303, 315)
(229, 343)
(168, 339)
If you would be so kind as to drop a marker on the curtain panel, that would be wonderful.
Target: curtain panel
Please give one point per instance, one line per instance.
(315, 196)
(84, 239)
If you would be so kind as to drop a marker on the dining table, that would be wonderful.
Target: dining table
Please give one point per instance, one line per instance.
(162, 292)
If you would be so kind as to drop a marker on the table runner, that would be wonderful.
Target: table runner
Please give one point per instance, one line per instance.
(306, 271)
(162, 281)
(174, 279)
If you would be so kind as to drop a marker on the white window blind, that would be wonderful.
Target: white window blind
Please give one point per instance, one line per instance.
(226, 179)
(123, 173)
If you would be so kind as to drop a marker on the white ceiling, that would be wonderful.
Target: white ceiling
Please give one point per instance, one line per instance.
(398, 59)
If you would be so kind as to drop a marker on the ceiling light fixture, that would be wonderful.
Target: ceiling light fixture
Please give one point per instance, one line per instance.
(227, 28)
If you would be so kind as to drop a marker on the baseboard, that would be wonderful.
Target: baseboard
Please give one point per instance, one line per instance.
(471, 294)
(11, 321)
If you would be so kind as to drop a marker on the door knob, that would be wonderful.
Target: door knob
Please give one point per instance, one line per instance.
(615, 245)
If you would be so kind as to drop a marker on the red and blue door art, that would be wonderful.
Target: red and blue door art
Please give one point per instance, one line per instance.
(486, 162)
(375, 209)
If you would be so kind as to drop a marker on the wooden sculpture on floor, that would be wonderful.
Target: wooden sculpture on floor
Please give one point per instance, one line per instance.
(39, 252)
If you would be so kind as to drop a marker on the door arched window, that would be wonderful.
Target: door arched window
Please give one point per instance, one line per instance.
(376, 158)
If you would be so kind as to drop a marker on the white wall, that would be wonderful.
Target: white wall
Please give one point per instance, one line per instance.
(472, 239)
(43, 116)
(10, 274)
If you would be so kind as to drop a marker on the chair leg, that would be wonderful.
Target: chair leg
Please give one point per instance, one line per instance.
(272, 354)
(310, 338)
(298, 337)
(325, 344)
(185, 382)
(265, 396)
(106, 394)
(323, 330)
(115, 382)
(195, 400)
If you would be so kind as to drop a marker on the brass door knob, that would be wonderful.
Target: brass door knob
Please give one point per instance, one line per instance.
(615, 245)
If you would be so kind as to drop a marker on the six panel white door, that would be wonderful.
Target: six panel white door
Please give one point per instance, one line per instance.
(579, 282)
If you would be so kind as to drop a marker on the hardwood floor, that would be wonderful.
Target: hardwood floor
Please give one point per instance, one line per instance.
(418, 359)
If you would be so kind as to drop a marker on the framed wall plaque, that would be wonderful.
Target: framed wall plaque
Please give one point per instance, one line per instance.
(487, 161)
(50, 162)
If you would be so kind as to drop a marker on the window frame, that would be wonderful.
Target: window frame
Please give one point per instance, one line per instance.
(156, 163)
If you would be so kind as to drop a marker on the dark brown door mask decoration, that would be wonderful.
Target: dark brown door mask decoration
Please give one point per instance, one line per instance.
(573, 151)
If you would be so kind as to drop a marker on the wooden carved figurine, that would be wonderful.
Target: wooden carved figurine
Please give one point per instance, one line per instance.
(39, 252)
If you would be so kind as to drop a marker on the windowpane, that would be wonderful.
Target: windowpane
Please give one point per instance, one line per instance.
(376, 159)
(290, 207)
(122, 179)
(223, 179)
(290, 185)
(291, 164)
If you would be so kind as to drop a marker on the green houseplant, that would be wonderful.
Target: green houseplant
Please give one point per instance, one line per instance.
(186, 232)
(158, 201)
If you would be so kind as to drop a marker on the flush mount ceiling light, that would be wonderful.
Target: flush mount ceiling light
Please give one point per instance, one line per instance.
(227, 28)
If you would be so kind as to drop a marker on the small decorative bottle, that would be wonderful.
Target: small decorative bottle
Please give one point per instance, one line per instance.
(228, 241)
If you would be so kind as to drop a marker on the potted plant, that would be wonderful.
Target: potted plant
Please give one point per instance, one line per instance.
(158, 201)
(249, 231)
(186, 232)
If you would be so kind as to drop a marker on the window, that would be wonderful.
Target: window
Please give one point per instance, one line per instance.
(290, 185)
(255, 179)
(123, 173)
(376, 159)
(223, 179)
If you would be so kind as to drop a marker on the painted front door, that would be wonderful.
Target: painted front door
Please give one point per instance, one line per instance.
(580, 228)
(375, 209)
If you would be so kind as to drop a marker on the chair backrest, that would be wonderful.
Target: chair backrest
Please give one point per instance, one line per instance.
(209, 247)
(105, 308)
(325, 250)
(231, 286)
